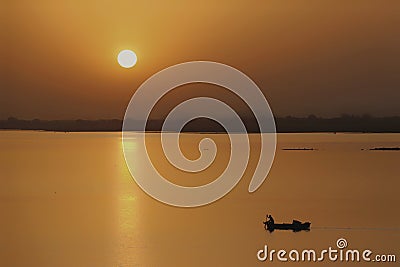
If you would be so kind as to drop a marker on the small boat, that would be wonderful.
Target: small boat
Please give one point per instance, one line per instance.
(295, 226)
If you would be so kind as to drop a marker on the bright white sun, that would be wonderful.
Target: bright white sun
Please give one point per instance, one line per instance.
(127, 58)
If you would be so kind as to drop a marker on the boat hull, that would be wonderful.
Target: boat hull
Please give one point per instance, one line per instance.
(295, 226)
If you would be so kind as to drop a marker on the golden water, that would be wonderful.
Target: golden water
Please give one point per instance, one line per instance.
(67, 199)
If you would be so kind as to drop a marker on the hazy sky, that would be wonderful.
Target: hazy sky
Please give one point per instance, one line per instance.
(58, 58)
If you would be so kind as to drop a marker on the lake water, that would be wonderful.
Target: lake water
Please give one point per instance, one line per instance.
(68, 199)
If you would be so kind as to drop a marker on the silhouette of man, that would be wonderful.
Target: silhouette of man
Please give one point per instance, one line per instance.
(270, 219)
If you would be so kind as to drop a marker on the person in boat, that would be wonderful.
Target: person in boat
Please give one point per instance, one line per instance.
(270, 219)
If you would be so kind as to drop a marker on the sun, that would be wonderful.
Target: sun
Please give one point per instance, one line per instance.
(127, 58)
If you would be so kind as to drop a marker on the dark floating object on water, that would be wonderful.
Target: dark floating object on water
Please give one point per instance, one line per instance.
(303, 148)
(295, 226)
(386, 148)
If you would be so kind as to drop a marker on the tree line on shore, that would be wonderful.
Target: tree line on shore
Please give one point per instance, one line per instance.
(289, 124)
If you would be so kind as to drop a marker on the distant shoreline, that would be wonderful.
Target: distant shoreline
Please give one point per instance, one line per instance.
(186, 132)
(310, 124)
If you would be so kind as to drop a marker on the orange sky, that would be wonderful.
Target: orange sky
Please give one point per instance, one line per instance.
(58, 58)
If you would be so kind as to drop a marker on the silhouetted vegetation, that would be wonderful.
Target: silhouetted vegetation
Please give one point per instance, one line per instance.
(386, 148)
(345, 123)
(62, 125)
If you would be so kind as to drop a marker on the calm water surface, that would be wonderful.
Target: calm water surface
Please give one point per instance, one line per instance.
(67, 199)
